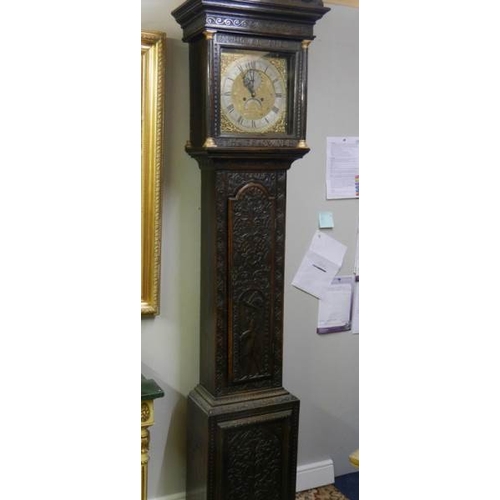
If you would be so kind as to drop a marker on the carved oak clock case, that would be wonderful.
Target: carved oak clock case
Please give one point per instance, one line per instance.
(248, 86)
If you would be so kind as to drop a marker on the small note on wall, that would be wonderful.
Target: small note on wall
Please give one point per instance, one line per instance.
(325, 220)
(342, 167)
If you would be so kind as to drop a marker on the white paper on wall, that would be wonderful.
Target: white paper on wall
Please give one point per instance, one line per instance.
(320, 264)
(355, 309)
(342, 167)
(335, 308)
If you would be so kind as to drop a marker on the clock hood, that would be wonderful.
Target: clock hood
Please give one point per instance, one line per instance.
(293, 19)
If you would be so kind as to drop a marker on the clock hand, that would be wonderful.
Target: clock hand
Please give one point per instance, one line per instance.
(249, 82)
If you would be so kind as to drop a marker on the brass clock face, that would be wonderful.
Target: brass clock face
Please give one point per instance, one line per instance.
(253, 92)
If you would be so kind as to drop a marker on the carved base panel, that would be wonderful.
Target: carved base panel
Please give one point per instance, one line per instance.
(242, 448)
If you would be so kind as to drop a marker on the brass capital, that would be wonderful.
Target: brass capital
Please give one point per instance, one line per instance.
(209, 34)
(209, 143)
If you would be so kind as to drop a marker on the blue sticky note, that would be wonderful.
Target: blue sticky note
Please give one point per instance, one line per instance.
(325, 220)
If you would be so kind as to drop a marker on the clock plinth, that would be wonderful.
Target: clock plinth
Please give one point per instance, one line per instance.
(248, 74)
(242, 448)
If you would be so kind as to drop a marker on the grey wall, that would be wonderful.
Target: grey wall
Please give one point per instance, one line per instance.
(321, 371)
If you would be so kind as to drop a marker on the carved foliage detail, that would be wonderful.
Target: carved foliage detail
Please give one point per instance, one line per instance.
(145, 412)
(249, 247)
(254, 464)
(255, 42)
(252, 243)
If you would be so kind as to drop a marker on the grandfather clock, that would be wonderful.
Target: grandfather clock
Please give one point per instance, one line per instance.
(248, 83)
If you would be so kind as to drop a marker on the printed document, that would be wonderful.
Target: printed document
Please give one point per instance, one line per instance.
(342, 167)
(355, 309)
(334, 313)
(320, 264)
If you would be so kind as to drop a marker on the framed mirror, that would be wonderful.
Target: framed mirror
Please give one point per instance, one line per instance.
(152, 111)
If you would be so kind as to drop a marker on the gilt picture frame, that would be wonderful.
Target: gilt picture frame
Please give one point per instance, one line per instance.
(152, 154)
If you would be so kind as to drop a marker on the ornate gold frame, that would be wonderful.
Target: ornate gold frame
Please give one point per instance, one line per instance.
(152, 99)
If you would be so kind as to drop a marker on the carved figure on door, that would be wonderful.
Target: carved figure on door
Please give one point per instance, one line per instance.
(251, 315)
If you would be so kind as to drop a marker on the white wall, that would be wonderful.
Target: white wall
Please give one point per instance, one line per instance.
(321, 371)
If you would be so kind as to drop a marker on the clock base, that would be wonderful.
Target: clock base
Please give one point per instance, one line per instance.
(242, 447)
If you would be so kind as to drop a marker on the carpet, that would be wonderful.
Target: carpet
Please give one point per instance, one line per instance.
(324, 493)
(348, 484)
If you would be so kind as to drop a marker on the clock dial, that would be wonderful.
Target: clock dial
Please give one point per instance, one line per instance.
(253, 92)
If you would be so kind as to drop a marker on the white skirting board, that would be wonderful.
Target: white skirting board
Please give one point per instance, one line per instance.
(308, 476)
(315, 475)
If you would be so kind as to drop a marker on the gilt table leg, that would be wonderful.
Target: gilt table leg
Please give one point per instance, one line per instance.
(149, 391)
(146, 422)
